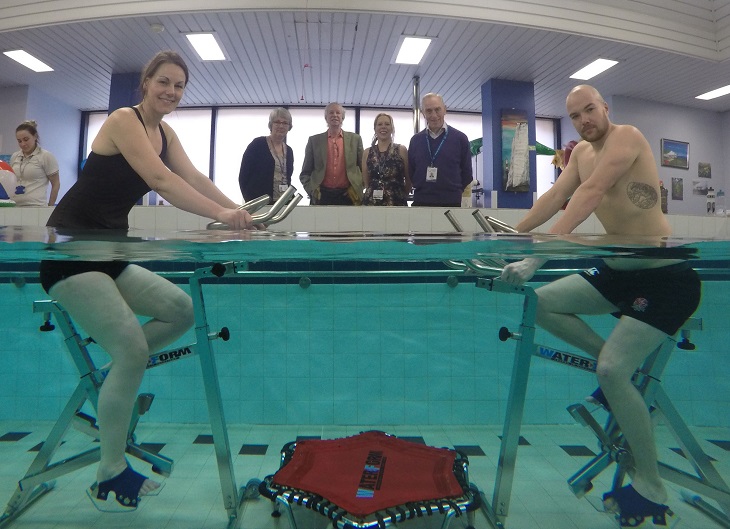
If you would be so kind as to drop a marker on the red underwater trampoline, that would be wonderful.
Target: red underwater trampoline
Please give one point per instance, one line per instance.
(372, 480)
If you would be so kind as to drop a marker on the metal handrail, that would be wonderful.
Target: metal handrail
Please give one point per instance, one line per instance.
(288, 209)
(255, 204)
(264, 217)
(486, 226)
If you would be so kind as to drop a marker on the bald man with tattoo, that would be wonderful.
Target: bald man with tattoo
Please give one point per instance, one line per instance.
(613, 174)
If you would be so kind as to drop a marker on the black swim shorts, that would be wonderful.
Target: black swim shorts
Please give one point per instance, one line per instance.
(661, 297)
(52, 272)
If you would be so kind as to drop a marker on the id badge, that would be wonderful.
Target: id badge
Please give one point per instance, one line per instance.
(283, 187)
(377, 194)
(19, 190)
(431, 174)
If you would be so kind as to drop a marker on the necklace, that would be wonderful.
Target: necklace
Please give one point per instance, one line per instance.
(387, 147)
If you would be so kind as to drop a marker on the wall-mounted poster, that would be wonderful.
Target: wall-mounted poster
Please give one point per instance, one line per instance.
(704, 170)
(699, 187)
(515, 151)
(675, 154)
(677, 189)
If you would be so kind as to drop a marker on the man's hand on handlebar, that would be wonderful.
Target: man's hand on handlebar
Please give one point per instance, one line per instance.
(520, 272)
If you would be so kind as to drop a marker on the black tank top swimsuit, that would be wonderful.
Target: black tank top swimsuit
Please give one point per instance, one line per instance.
(101, 199)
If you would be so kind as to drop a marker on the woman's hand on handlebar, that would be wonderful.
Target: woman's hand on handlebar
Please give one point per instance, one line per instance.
(236, 219)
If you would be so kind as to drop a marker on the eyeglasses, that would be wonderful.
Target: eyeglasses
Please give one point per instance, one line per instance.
(285, 123)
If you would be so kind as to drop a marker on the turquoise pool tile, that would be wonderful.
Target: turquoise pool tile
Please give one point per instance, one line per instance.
(393, 388)
(275, 412)
(324, 342)
(369, 389)
(415, 390)
(252, 389)
(297, 342)
(439, 390)
(322, 412)
(417, 412)
(392, 365)
(346, 390)
(345, 412)
(345, 365)
(393, 412)
(368, 362)
(369, 412)
(298, 412)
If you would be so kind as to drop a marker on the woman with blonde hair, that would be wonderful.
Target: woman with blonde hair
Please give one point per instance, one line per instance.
(385, 167)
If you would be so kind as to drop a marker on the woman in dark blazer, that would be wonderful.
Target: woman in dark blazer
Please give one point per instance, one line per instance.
(268, 162)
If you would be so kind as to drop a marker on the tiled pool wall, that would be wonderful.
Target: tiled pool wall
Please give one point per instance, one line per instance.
(349, 353)
(376, 219)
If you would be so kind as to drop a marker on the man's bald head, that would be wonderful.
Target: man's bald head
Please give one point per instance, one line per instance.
(588, 112)
(585, 91)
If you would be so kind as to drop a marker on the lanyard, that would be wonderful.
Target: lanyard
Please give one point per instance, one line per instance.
(279, 160)
(24, 162)
(379, 156)
(441, 144)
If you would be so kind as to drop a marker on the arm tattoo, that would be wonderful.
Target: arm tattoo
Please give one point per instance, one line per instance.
(642, 195)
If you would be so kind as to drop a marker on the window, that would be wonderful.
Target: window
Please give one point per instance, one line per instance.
(192, 127)
(96, 120)
(469, 124)
(235, 129)
(546, 173)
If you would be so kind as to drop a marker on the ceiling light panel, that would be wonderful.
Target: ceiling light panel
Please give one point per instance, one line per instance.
(593, 69)
(719, 92)
(411, 50)
(206, 45)
(27, 60)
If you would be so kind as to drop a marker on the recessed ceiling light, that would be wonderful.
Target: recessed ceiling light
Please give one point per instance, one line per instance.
(411, 50)
(206, 46)
(593, 69)
(715, 93)
(27, 60)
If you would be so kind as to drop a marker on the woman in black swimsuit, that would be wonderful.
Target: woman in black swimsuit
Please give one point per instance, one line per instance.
(134, 152)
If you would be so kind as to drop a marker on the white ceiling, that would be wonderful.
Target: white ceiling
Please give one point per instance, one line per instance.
(314, 52)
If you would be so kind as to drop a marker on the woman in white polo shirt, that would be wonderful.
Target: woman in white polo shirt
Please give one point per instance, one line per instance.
(34, 169)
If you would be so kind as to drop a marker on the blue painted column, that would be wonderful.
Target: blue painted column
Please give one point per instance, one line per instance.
(123, 91)
(499, 95)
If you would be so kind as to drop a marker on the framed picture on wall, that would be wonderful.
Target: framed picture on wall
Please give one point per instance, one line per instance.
(515, 151)
(677, 189)
(675, 154)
